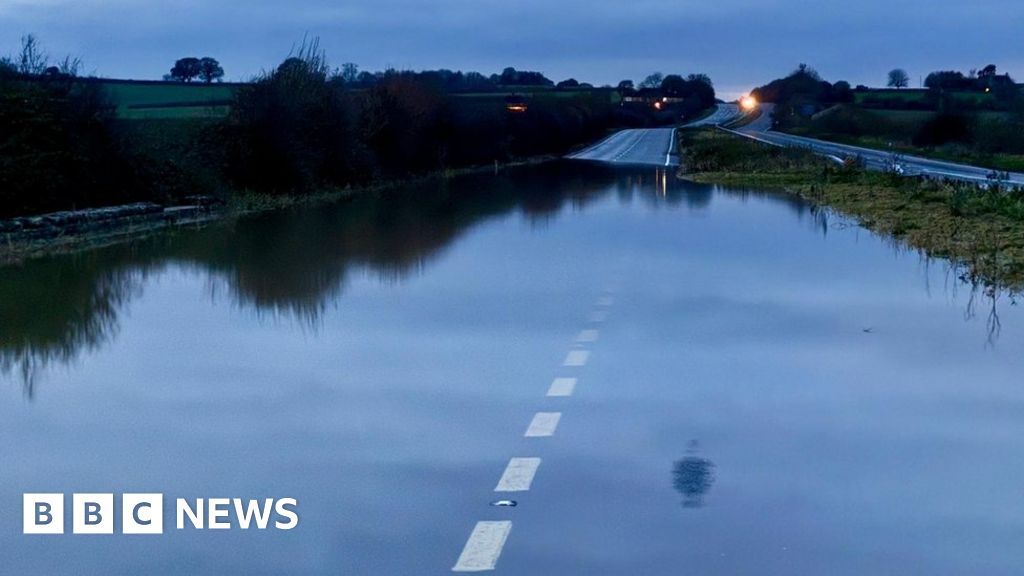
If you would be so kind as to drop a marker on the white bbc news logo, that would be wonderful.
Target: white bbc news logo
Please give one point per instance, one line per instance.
(144, 513)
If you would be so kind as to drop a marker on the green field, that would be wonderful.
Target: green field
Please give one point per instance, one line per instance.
(890, 96)
(906, 116)
(175, 100)
(918, 117)
(530, 93)
(169, 100)
(910, 97)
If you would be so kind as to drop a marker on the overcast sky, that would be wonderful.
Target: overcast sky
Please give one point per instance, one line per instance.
(739, 43)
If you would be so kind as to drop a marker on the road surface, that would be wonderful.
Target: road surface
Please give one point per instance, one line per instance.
(761, 129)
(723, 114)
(761, 123)
(649, 146)
(645, 146)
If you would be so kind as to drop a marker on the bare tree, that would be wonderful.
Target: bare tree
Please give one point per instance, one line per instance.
(69, 66)
(350, 72)
(898, 78)
(32, 59)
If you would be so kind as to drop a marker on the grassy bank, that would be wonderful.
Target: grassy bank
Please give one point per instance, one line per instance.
(980, 138)
(949, 153)
(980, 231)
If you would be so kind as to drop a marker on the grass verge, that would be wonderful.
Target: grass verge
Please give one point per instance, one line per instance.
(980, 231)
(949, 153)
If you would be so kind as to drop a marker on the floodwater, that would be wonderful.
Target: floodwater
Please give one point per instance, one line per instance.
(764, 388)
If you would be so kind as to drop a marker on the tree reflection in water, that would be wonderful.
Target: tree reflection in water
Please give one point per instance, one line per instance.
(288, 264)
(56, 309)
(692, 477)
(294, 264)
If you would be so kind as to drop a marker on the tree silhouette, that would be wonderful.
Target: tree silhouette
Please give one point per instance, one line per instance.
(987, 71)
(512, 77)
(898, 78)
(702, 78)
(186, 69)
(210, 70)
(673, 85)
(32, 60)
(653, 81)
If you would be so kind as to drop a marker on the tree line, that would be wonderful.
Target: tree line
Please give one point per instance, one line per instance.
(804, 87)
(302, 126)
(208, 69)
(57, 148)
(801, 89)
(953, 100)
(190, 68)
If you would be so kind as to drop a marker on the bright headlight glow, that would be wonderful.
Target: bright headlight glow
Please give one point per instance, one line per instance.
(748, 103)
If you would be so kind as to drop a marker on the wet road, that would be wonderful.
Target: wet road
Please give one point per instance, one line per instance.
(648, 146)
(642, 146)
(723, 114)
(665, 377)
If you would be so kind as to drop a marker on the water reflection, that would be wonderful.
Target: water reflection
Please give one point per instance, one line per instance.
(57, 309)
(693, 476)
(294, 264)
(989, 296)
(286, 264)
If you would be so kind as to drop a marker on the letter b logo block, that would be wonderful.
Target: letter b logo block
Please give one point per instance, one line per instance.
(92, 513)
(43, 513)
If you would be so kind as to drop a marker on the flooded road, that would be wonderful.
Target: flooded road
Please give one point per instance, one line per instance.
(663, 377)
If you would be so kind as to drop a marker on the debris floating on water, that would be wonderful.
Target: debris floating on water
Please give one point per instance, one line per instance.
(510, 503)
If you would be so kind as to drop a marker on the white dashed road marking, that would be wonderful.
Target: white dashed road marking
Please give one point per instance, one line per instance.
(576, 358)
(483, 547)
(543, 424)
(488, 538)
(518, 475)
(562, 387)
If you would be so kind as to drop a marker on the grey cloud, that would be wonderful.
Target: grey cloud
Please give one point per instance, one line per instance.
(739, 42)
